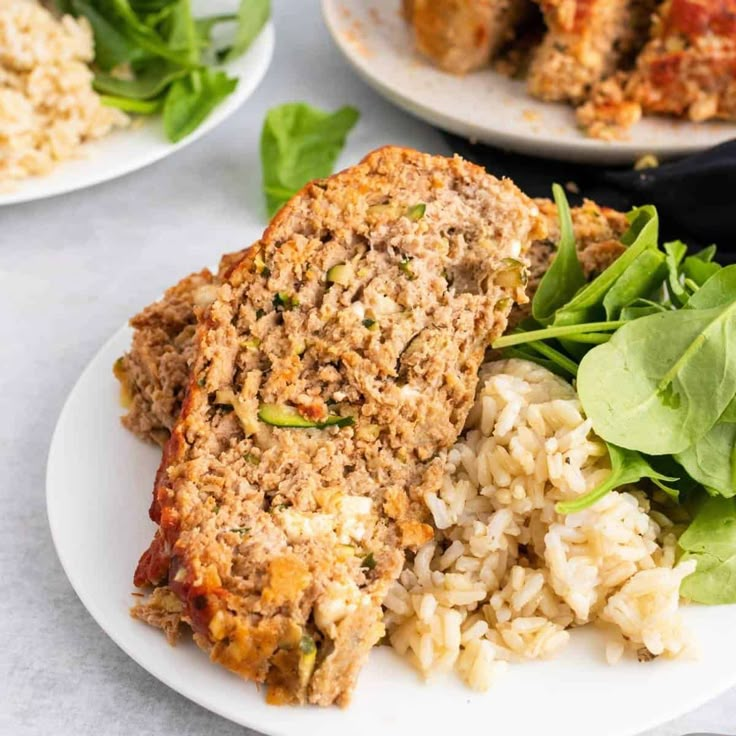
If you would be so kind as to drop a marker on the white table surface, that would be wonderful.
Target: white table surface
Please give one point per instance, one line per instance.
(72, 270)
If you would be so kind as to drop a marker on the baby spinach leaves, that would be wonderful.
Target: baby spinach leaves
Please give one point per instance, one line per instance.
(565, 276)
(651, 342)
(300, 143)
(627, 467)
(153, 55)
(711, 541)
(662, 381)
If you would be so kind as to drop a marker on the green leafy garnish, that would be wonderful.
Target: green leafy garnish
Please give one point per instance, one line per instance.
(153, 55)
(710, 540)
(369, 562)
(627, 467)
(300, 143)
(565, 276)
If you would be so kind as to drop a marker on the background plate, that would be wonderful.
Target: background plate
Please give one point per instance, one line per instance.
(486, 106)
(98, 492)
(127, 150)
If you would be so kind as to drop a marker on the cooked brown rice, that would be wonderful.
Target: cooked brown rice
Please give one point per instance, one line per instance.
(48, 108)
(506, 575)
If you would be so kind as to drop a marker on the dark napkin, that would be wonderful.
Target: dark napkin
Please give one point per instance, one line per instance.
(695, 196)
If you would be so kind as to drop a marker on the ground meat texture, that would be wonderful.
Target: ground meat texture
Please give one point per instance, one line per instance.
(688, 68)
(154, 373)
(585, 41)
(463, 35)
(281, 542)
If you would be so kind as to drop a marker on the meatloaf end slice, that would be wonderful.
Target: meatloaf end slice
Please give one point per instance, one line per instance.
(154, 373)
(463, 35)
(333, 371)
(688, 68)
(585, 41)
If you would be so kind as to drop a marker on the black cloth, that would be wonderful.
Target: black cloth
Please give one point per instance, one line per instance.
(695, 196)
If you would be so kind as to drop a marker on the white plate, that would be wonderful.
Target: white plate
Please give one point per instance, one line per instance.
(487, 106)
(98, 491)
(127, 150)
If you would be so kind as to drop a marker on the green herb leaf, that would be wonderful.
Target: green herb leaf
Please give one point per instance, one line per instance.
(151, 82)
(191, 100)
(627, 467)
(565, 276)
(710, 461)
(300, 143)
(587, 304)
(711, 541)
(662, 381)
(252, 16)
(639, 280)
(675, 252)
(369, 562)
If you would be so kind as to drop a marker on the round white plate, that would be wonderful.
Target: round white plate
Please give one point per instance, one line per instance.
(486, 106)
(98, 490)
(127, 150)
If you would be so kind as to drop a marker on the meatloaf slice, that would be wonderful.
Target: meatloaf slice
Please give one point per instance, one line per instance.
(688, 68)
(333, 370)
(585, 41)
(154, 373)
(463, 35)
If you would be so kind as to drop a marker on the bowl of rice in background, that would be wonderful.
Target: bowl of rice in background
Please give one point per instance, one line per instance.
(48, 109)
(506, 576)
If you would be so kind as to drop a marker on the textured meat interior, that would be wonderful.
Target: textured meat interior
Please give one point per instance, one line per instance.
(280, 542)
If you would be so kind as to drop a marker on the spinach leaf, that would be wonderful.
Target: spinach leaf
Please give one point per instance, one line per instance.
(701, 266)
(112, 46)
(554, 332)
(131, 105)
(252, 16)
(641, 308)
(627, 467)
(192, 98)
(300, 143)
(662, 381)
(719, 289)
(675, 252)
(155, 77)
(587, 304)
(638, 281)
(711, 541)
(565, 276)
(546, 356)
(180, 32)
(729, 415)
(710, 461)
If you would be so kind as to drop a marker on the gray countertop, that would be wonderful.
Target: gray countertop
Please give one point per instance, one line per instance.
(72, 270)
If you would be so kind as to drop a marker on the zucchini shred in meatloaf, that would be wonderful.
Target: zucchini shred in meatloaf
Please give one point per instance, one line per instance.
(613, 59)
(334, 367)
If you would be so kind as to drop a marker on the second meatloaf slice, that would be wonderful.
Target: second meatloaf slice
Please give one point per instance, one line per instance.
(336, 365)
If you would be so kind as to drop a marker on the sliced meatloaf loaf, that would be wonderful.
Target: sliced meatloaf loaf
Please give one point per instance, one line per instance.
(154, 373)
(585, 41)
(336, 365)
(463, 35)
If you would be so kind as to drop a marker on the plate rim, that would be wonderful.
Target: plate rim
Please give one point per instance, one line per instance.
(281, 727)
(264, 43)
(582, 150)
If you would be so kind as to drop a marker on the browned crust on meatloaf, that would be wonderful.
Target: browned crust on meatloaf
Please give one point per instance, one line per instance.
(687, 69)
(463, 35)
(257, 524)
